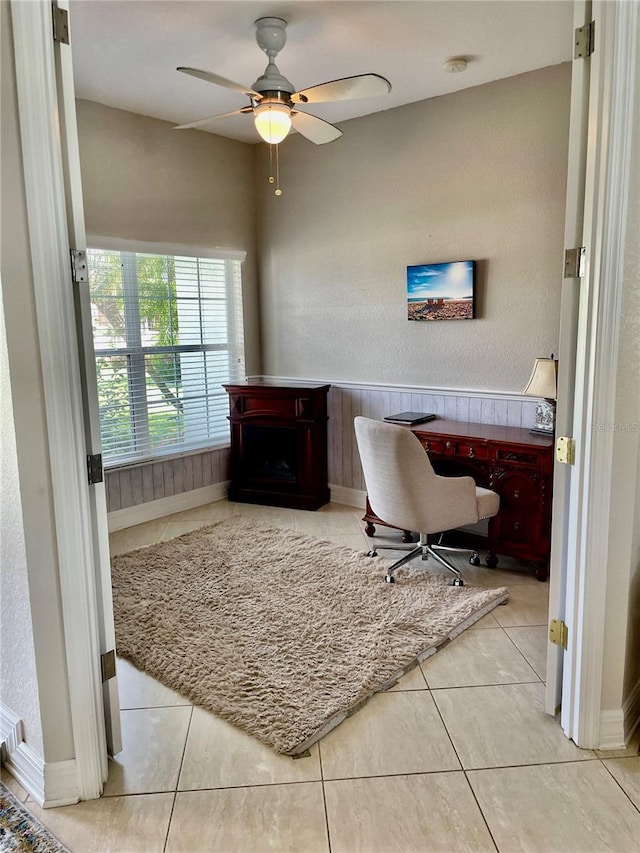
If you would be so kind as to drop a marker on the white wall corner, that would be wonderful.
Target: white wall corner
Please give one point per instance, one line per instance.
(121, 518)
(348, 497)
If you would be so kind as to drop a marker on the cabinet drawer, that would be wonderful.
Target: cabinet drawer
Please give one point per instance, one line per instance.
(529, 458)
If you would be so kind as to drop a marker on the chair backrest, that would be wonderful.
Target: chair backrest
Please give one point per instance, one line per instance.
(397, 473)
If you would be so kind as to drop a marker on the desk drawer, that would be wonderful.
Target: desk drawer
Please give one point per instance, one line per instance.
(434, 446)
(529, 458)
(458, 448)
(469, 449)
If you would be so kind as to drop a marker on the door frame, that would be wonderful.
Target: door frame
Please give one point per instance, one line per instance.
(70, 150)
(567, 355)
(62, 388)
(35, 71)
(608, 167)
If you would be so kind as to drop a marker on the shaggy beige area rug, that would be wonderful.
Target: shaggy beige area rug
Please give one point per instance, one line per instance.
(281, 634)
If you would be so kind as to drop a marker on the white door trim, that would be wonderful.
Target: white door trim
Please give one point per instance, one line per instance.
(70, 151)
(44, 187)
(567, 356)
(608, 170)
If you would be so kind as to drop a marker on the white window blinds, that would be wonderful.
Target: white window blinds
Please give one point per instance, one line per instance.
(167, 332)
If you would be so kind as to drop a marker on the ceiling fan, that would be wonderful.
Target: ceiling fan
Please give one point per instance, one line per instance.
(274, 101)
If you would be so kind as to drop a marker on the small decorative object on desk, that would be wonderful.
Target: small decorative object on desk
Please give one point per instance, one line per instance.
(410, 418)
(543, 384)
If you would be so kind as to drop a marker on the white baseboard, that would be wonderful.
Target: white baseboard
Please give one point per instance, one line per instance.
(611, 735)
(27, 768)
(348, 497)
(60, 783)
(121, 518)
(10, 730)
(617, 726)
(49, 784)
(631, 709)
(52, 784)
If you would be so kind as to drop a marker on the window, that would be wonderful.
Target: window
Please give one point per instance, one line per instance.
(167, 332)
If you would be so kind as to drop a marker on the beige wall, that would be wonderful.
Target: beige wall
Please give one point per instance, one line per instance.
(479, 174)
(143, 180)
(33, 675)
(18, 675)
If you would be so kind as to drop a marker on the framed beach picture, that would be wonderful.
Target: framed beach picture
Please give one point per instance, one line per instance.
(441, 291)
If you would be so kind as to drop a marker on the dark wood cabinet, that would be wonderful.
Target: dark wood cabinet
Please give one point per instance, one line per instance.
(279, 444)
(513, 462)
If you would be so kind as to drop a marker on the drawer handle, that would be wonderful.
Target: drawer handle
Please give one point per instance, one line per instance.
(447, 444)
(516, 494)
(426, 446)
(472, 453)
(516, 525)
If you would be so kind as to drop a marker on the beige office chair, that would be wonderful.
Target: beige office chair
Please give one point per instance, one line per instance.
(405, 492)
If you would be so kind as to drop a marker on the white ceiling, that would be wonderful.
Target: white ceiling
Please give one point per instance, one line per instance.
(125, 52)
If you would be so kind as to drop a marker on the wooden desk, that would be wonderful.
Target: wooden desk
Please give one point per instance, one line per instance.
(514, 463)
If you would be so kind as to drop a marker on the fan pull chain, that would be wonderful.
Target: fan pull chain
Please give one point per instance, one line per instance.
(278, 191)
(275, 180)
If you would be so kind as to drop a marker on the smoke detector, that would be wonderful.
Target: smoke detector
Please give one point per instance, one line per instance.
(455, 65)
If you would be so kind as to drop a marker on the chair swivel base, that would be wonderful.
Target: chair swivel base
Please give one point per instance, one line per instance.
(424, 551)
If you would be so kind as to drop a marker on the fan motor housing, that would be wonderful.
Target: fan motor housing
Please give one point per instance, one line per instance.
(275, 97)
(271, 34)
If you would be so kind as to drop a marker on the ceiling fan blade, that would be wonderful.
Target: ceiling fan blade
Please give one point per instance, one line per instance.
(360, 86)
(210, 77)
(315, 129)
(202, 121)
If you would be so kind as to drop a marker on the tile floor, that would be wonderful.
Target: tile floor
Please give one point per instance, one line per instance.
(458, 756)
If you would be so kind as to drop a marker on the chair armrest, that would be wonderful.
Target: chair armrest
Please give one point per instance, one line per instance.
(456, 505)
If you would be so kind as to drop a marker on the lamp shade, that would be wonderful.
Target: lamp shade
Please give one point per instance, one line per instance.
(273, 122)
(543, 379)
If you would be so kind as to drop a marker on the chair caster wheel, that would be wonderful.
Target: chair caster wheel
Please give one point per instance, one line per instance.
(457, 582)
(389, 579)
(372, 553)
(491, 560)
(474, 559)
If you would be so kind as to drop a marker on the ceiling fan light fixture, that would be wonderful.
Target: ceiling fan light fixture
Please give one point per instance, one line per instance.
(273, 122)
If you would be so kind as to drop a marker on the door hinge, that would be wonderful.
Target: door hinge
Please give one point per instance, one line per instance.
(60, 24)
(565, 450)
(558, 633)
(574, 262)
(79, 272)
(584, 40)
(94, 468)
(108, 665)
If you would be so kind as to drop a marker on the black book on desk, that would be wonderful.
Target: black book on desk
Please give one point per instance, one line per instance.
(410, 418)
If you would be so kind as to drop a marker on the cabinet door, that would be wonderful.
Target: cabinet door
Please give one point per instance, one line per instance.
(518, 524)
